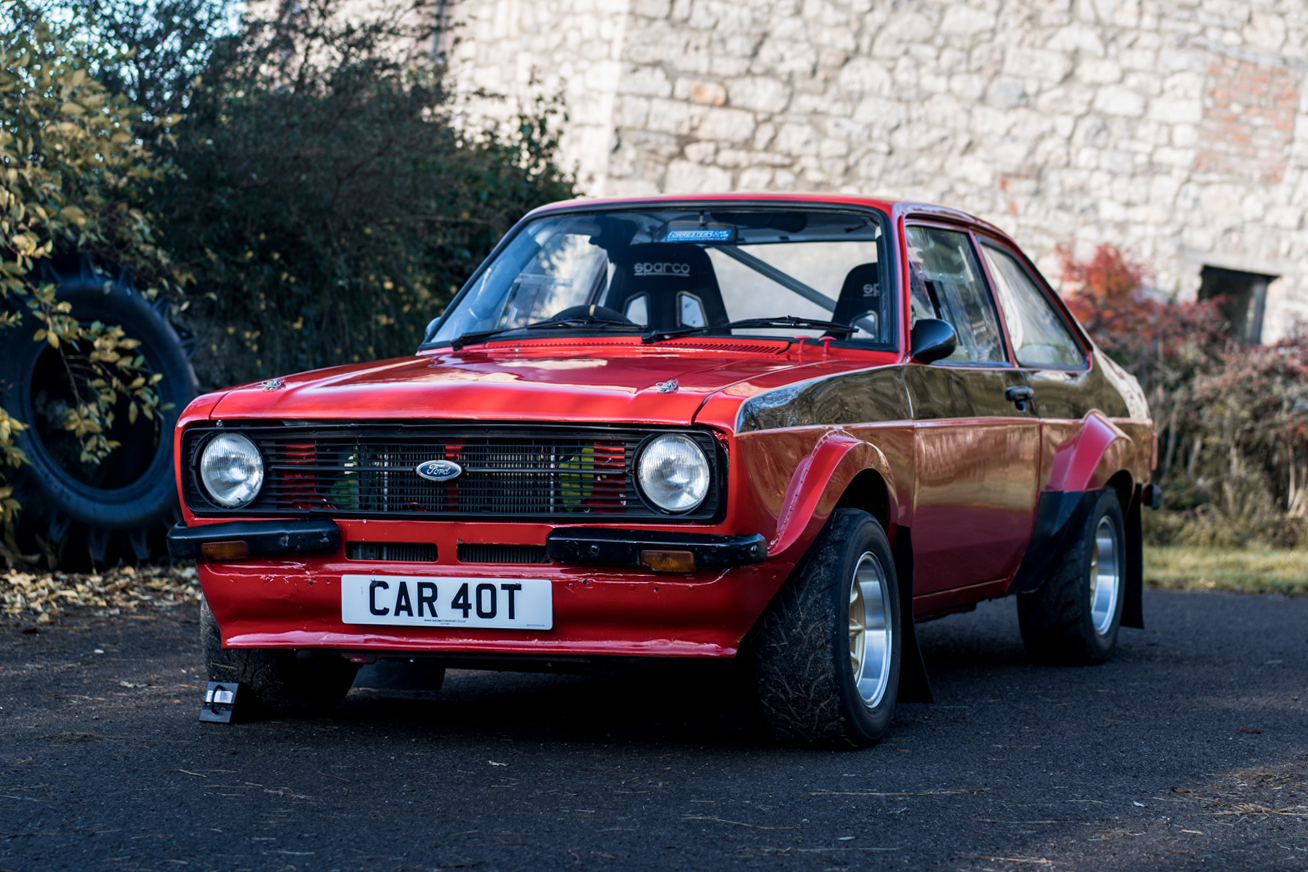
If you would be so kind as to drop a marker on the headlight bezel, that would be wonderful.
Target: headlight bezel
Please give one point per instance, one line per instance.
(203, 478)
(709, 468)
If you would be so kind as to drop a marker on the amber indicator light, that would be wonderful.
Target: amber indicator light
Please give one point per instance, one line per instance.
(234, 549)
(668, 561)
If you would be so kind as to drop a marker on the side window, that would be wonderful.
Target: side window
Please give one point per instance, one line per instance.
(1039, 336)
(945, 282)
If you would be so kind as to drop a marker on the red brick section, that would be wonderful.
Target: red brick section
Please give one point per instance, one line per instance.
(1248, 120)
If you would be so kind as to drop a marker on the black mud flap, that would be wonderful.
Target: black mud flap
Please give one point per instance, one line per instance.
(914, 686)
(1132, 605)
(1060, 515)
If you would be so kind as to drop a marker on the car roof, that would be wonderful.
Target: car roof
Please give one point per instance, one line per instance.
(895, 208)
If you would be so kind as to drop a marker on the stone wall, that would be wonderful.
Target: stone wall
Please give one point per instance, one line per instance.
(1177, 130)
(518, 51)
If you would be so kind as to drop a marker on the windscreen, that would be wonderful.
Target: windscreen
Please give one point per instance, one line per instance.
(686, 271)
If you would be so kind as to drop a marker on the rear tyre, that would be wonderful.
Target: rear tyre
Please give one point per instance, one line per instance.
(1074, 616)
(827, 650)
(283, 681)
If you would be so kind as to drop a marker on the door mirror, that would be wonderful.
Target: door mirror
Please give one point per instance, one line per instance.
(931, 340)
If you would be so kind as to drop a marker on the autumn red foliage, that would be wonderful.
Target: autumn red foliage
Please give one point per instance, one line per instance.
(1232, 418)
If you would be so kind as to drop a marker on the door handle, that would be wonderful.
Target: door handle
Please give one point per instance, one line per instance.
(1019, 396)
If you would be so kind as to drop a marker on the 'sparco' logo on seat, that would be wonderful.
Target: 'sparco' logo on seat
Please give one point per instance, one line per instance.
(661, 269)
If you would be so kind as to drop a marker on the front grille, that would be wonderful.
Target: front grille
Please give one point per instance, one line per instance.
(472, 552)
(399, 552)
(508, 473)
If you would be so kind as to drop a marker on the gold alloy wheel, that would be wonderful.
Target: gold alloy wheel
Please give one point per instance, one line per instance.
(1105, 575)
(870, 633)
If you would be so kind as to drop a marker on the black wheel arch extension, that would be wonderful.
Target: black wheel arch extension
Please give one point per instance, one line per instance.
(1059, 516)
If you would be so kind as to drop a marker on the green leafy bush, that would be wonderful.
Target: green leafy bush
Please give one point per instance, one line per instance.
(327, 205)
(73, 173)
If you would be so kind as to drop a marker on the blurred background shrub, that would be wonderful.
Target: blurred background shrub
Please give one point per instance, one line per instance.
(325, 205)
(76, 176)
(1232, 418)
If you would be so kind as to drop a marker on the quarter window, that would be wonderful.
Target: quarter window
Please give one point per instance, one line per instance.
(945, 282)
(1038, 334)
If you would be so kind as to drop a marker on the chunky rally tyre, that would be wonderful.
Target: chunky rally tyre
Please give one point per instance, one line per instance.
(122, 506)
(827, 650)
(1074, 616)
(283, 681)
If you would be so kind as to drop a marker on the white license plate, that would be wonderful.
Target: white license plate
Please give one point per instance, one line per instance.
(408, 601)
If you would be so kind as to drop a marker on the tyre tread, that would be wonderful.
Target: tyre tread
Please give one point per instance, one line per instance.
(797, 681)
(280, 683)
(1053, 619)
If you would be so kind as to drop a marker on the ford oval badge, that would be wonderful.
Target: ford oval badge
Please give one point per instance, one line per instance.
(438, 470)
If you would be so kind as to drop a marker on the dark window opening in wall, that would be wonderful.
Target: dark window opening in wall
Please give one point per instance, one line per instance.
(1241, 297)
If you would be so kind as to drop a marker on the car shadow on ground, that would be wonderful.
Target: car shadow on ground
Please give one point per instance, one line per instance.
(666, 702)
(636, 703)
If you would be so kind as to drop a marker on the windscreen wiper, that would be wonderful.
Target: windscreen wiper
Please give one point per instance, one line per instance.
(550, 323)
(788, 321)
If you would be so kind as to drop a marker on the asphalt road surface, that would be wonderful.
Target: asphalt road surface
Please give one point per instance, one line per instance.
(1188, 751)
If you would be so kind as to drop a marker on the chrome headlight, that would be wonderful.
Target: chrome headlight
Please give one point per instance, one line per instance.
(673, 473)
(231, 469)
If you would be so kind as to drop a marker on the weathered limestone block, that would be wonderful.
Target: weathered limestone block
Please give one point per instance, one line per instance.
(1119, 100)
(700, 152)
(1076, 38)
(725, 124)
(698, 90)
(669, 116)
(865, 76)
(645, 81)
(1167, 111)
(1099, 71)
(1007, 93)
(968, 86)
(966, 22)
(756, 179)
(758, 93)
(882, 112)
(651, 8)
(901, 31)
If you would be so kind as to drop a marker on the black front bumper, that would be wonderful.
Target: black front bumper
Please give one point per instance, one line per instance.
(604, 545)
(261, 538)
(585, 545)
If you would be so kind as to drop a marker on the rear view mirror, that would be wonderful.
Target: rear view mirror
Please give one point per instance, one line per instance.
(931, 340)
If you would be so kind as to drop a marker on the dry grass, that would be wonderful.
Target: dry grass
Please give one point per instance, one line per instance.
(1240, 570)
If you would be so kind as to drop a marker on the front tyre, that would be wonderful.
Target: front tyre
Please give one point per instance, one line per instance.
(1074, 616)
(827, 651)
(283, 681)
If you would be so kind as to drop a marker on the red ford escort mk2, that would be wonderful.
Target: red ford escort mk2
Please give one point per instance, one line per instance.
(781, 428)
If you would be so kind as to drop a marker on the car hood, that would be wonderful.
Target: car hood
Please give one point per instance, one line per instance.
(573, 383)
